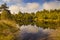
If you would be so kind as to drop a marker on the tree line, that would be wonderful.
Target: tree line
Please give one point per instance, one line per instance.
(44, 18)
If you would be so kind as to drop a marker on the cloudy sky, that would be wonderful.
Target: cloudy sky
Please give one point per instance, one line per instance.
(31, 5)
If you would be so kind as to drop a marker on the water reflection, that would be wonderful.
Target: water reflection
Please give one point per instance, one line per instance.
(30, 32)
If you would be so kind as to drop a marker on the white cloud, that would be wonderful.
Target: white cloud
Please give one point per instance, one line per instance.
(14, 8)
(51, 5)
(6, 0)
(18, 1)
(32, 5)
(57, 0)
(29, 7)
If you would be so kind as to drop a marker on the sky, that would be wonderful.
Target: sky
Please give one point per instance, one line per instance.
(31, 5)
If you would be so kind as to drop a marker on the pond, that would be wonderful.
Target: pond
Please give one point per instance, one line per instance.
(30, 32)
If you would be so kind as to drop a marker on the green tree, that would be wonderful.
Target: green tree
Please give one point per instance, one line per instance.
(3, 6)
(6, 15)
(19, 18)
(5, 12)
(8, 30)
(0, 16)
(27, 19)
